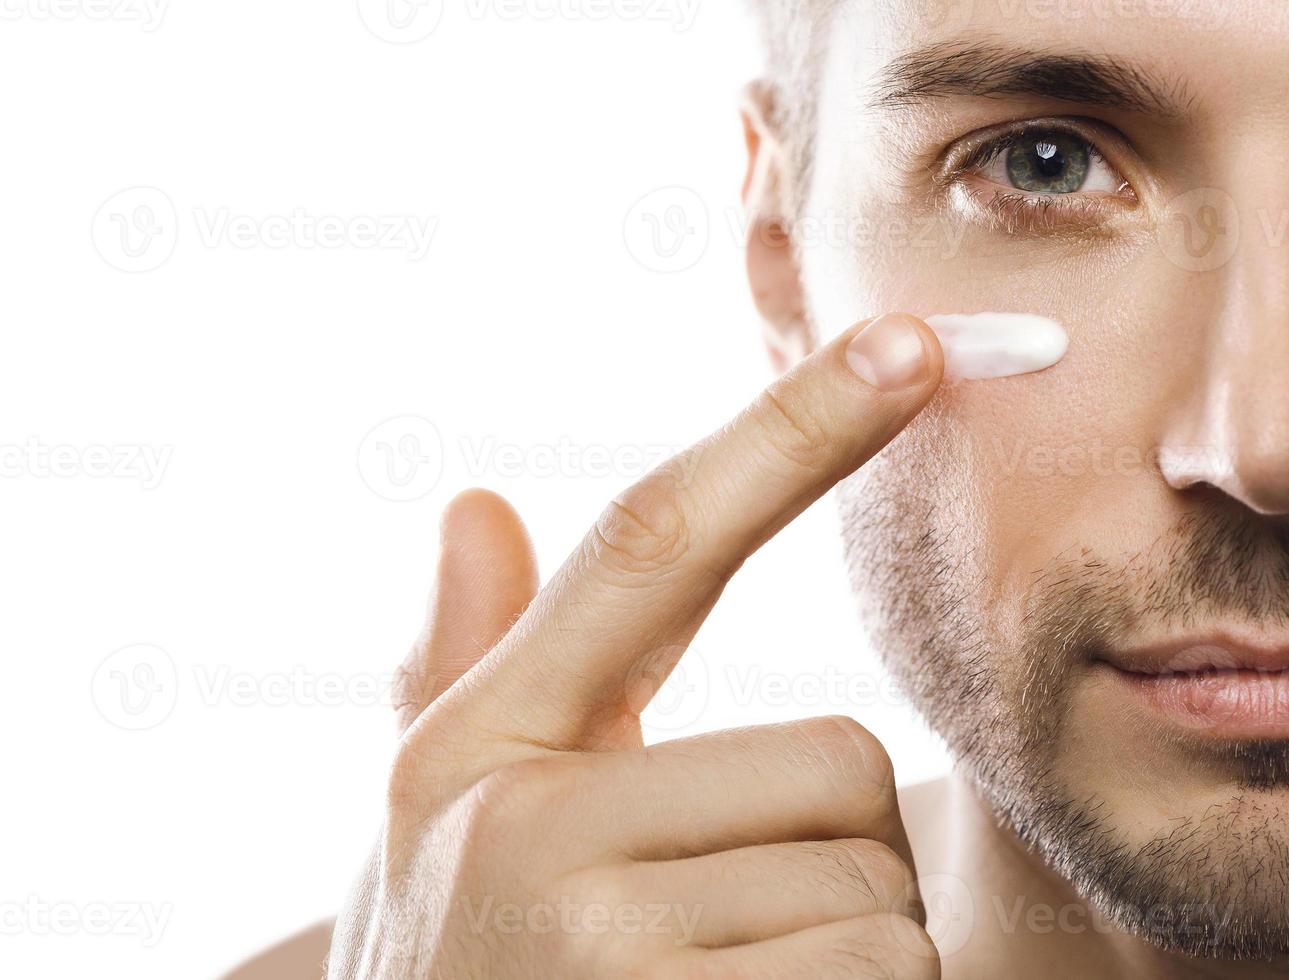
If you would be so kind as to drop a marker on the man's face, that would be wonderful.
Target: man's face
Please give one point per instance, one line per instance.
(1036, 554)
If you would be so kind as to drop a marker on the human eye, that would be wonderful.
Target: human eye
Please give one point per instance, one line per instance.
(1036, 175)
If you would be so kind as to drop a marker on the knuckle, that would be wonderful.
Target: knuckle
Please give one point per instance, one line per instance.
(409, 681)
(865, 865)
(655, 970)
(708, 968)
(411, 684)
(645, 529)
(855, 955)
(791, 427)
(905, 948)
(861, 749)
(605, 893)
(412, 773)
(609, 886)
(888, 872)
(514, 793)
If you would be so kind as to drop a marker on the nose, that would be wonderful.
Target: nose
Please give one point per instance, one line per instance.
(1231, 430)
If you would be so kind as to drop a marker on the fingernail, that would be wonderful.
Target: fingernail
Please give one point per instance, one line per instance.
(888, 353)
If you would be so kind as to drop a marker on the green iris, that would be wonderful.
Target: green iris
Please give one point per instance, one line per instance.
(1048, 163)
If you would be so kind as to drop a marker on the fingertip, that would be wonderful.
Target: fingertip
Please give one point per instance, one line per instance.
(486, 576)
(475, 507)
(484, 527)
(476, 511)
(895, 352)
(931, 346)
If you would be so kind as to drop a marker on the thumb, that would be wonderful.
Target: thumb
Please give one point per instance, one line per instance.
(487, 575)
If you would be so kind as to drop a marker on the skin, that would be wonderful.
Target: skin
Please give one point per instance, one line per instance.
(714, 847)
(1013, 527)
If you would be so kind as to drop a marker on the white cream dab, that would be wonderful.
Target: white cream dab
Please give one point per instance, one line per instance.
(997, 345)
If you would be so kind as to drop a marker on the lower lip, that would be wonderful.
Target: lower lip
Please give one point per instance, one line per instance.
(1221, 703)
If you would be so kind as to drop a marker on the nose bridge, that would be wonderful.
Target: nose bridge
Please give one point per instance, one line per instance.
(1233, 429)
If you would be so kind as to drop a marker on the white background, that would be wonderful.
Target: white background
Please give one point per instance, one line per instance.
(267, 581)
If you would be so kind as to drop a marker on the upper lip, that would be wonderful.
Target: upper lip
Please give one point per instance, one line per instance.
(1201, 653)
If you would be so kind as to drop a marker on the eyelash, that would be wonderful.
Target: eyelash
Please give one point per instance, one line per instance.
(1011, 210)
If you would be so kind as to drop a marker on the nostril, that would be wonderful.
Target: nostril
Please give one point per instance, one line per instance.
(1259, 481)
(1185, 466)
(1262, 497)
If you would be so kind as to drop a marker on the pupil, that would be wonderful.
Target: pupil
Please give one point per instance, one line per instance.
(1049, 161)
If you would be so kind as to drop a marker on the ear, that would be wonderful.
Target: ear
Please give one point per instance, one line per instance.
(772, 268)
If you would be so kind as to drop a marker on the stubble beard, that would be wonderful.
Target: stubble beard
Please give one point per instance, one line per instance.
(1213, 883)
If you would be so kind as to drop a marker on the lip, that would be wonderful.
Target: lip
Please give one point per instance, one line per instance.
(1216, 685)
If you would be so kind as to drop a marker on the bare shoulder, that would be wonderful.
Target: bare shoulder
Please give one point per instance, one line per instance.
(299, 957)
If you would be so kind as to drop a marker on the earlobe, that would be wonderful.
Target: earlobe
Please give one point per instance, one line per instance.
(772, 269)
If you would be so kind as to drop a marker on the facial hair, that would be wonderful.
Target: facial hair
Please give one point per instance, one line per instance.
(1214, 883)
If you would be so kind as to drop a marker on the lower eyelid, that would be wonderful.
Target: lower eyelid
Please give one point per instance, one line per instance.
(1013, 212)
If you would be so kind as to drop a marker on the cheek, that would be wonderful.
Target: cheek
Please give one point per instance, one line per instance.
(1014, 473)
(1009, 473)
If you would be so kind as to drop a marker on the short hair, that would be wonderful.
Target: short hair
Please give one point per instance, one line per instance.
(792, 35)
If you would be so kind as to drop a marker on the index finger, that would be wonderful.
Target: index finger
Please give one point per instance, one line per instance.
(606, 630)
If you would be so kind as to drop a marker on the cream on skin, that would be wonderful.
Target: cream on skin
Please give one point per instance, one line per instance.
(997, 345)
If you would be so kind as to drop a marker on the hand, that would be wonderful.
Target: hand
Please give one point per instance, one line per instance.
(528, 832)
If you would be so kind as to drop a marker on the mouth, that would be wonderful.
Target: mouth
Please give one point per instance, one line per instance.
(1217, 686)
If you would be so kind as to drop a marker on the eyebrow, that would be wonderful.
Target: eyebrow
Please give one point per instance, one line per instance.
(989, 69)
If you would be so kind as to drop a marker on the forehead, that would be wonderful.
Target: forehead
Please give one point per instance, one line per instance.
(1181, 75)
(908, 20)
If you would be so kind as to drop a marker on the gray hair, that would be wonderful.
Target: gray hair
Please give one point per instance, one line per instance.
(792, 34)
